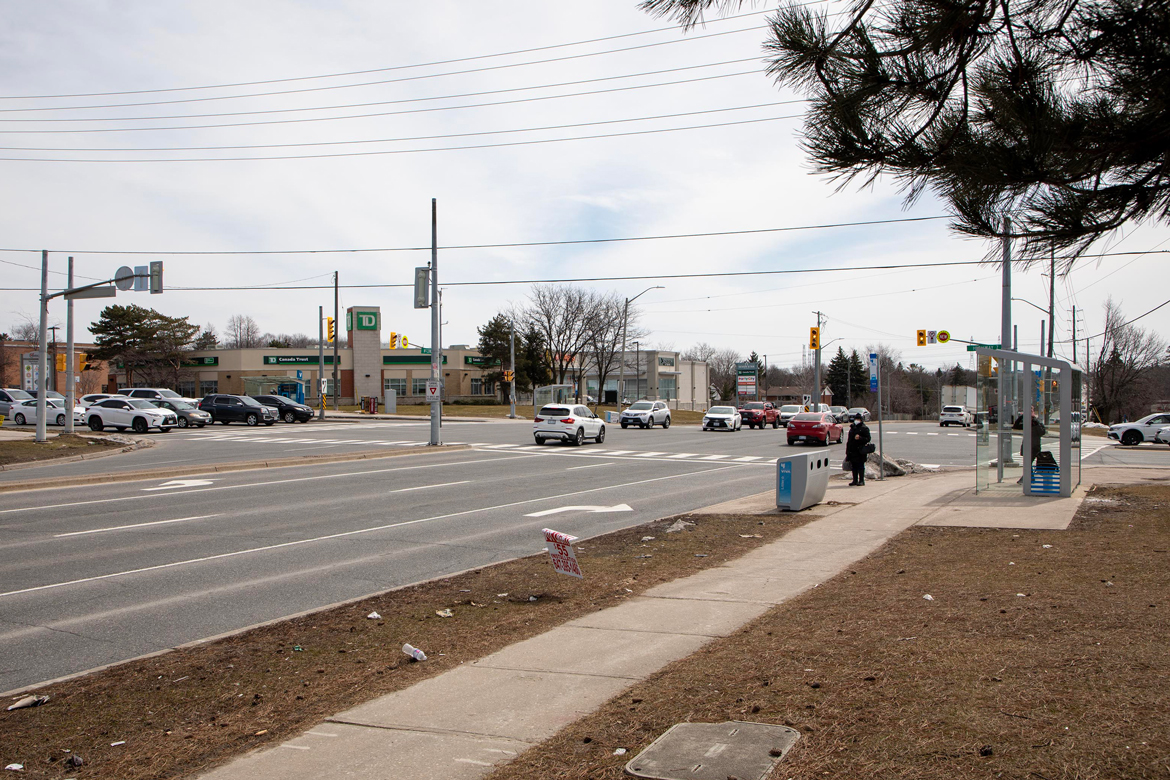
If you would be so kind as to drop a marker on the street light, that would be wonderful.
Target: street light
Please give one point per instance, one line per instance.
(1034, 306)
(622, 364)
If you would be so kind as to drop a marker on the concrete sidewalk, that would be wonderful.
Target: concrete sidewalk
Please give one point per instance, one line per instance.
(461, 724)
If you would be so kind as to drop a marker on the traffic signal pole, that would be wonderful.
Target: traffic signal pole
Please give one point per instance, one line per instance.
(70, 384)
(321, 362)
(42, 434)
(336, 378)
(512, 384)
(436, 348)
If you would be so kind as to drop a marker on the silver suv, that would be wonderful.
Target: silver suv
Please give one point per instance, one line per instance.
(646, 414)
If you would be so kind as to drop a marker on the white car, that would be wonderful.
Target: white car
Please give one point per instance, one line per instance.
(1163, 435)
(1145, 429)
(157, 392)
(92, 398)
(25, 412)
(787, 412)
(569, 423)
(646, 414)
(722, 418)
(955, 415)
(137, 414)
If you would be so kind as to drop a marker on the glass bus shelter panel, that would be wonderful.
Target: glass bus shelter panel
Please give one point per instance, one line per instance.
(986, 398)
(1075, 426)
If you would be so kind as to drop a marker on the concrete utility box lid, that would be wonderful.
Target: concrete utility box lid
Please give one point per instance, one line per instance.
(714, 751)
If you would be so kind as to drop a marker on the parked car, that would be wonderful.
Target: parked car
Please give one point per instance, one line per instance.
(840, 413)
(572, 424)
(92, 398)
(48, 394)
(646, 414)
(157, 392)
(136, 413)
(814, 427)
(759, 413)
(1144, 429)
(225, 409)
(189, 415)
(722, 418)
(856, 410)
(286, 409)
(955, 415)
(1163, 435)
(787, 412)
(10, 396)
(25, 412)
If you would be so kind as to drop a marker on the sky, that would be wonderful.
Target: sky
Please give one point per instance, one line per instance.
(542, 130)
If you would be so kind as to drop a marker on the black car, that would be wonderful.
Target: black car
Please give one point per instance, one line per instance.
(237, 408)
(288, 409)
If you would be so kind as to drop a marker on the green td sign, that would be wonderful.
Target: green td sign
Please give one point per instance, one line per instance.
(366, 320)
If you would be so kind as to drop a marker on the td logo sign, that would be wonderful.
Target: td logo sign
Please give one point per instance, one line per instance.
(365, 320)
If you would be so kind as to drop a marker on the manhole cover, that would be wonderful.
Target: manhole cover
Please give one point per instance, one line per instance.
(714, 751)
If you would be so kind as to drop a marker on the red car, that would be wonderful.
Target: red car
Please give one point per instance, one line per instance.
(759, 413)
(814, 427)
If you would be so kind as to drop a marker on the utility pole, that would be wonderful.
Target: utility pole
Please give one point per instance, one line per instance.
(70, 385)
(436, 348)
(512, 384)
(817, 368)
(1004, 415)
(336, 360)
(321, 362)
(765, 377)
(42, 433)
(1051, 300)
(53, 362)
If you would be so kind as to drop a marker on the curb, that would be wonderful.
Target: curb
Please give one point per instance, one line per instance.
(275, 463)
(139, 444)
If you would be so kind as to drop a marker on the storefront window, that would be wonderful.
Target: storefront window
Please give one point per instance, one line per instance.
(397, 385)
(418, 386)
(208, 387)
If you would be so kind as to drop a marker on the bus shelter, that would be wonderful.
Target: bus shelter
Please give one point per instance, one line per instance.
(287, 386)
(552, 394)
(1027, 424)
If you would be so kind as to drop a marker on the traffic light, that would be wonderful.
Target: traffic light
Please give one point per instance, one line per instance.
(330, 331)
(922, 338)
(393, 341)
(82, 361)
(509, 375)
(814, 338)
(61, 364)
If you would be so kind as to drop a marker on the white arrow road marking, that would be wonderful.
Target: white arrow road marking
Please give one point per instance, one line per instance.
(135, 525)
(181, 483)
(594, 509)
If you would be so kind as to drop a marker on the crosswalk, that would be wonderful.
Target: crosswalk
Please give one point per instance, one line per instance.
(630, 454)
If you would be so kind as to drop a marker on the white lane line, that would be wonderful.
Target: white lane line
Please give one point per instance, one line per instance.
(356, 532)
(428, 487)
(619, 452)
(648, 454)
(590, 466)
(952, 434)
(683, 455)
(748, 458)
(909, 433)
(135, 525)
(714, 457)
(296, 747)
(890, 433)
(500, 446)
(932, 434)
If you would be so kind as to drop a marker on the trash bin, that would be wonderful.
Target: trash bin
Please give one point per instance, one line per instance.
(801, 479)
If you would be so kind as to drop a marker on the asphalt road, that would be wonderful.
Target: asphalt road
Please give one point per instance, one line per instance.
(97, 574)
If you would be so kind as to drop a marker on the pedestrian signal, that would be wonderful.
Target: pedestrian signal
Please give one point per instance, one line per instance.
(922, 338)
(814, 338)
(330, 330)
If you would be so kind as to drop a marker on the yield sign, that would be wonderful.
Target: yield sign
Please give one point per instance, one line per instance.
(181, 483)
(595, 509)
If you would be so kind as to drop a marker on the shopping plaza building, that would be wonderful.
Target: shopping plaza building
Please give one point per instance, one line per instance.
(367, 369)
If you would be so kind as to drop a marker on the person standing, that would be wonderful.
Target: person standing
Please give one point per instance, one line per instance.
(855, 450)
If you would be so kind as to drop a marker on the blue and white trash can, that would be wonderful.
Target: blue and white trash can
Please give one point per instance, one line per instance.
(801, 479)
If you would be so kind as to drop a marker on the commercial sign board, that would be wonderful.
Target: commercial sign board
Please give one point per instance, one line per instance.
(666, 361)
(365, 320)
(211, 360)
(561, 553)
(409, 360)
(292, 360)
(479, 360)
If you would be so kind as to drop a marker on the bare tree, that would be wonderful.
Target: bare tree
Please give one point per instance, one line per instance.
(721, 370)
(1128, 355)
(564, 316)
(701, 352)
(27, 329)
(605, 336)
(242, 333)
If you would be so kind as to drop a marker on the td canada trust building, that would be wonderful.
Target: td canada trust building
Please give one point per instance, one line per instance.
(365, 368)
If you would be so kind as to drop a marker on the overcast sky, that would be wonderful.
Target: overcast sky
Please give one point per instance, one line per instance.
(748, 174)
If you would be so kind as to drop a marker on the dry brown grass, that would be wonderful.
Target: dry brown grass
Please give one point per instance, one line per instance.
(183, 712)
(1067, 680)
(60, 446)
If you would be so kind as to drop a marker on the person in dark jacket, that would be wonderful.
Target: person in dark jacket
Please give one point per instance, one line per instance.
(855, 449)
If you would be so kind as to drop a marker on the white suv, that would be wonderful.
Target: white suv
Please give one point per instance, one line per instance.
(150, 393)
(955, 415)
(136, 413)
(647, 414)
(572, 424)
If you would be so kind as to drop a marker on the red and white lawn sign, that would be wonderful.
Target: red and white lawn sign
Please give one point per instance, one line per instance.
(560, 550)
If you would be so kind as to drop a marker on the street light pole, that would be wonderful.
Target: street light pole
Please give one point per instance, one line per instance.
(637, 369)
(622, 363)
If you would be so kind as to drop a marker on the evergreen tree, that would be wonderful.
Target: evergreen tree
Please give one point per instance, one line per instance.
(837, 377)
(143, 341)
(858, 379)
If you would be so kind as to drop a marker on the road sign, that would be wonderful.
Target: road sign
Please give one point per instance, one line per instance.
(944, 336)
(324, 386)
(806, 399)
(103, 291)
(932, 337)
(973, 347)
(432, 390)
(141, 278)
(561, 553)
(124, 278)
(873, 372)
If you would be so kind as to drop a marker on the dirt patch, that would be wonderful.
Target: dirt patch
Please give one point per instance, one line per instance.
(60, 446)
(180, 713)
(1042, 654)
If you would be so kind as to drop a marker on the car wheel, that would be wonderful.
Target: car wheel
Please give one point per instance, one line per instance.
(223, 422)
(252, 420)
(578, 438)
(1131, 438)
(139, 425)
(839, 435)
(624, 425)
(61, 419)
(18, 419)
(791, 443)
(167, 429)
(183, 422)
(666, 422)
(775, 424)
(600, 435)
(95, 423)
(289, 417)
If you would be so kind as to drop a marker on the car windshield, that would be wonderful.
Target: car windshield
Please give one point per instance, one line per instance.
(857, 410)
(642, 406)
(140, 403)
(753, 405)
(793, 408)
(248, 401)
(837, 409)
(18, 395)
(169, 394)
(554, 411)
(182, 405)
(808, 417)
(721, 410)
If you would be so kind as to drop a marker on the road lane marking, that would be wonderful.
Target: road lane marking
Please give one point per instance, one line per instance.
(428, 487)
(180, 483)
(648, 454)
(909, 433)
(590, 466)
(135, 525)
(618, 452)
(355, 532)
(591, 509)
(683, 455)
(714, 457)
